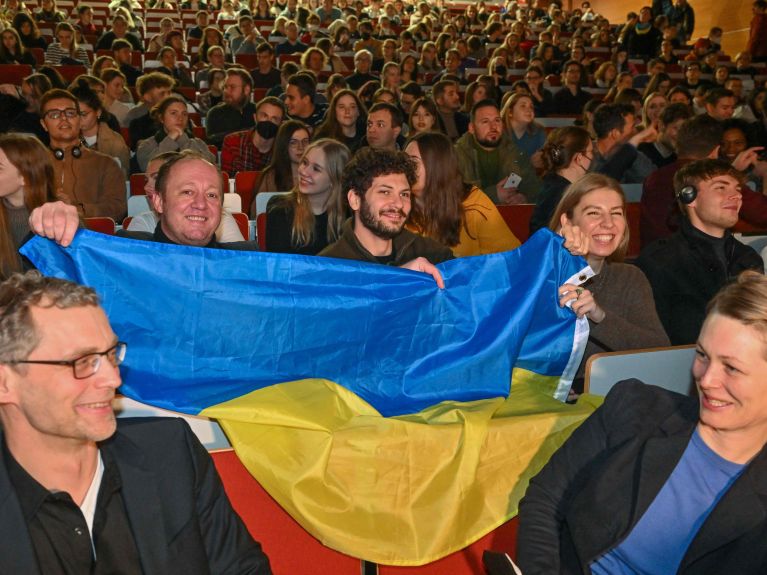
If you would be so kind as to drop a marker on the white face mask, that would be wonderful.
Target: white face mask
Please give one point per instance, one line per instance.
(313, 27)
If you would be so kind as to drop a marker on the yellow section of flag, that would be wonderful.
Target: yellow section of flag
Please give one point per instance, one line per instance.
(403, 490)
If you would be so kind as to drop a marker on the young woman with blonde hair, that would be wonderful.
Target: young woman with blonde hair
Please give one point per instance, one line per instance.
(310, 217)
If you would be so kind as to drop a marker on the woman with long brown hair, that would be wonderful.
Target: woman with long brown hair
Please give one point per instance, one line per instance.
(12, 50)
(458, 215)
(26, 182)
(310, 217)
(28, 31)
(281, 173)
(344, 120)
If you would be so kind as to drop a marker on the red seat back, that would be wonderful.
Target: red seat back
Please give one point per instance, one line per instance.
(517, 217)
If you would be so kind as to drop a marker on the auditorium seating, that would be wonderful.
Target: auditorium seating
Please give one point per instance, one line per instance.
(242, 223)
(103, 225)
(261, 231)
(292, 550)
(14, 73)
(517, 217)
(244, 182)
(666, 367)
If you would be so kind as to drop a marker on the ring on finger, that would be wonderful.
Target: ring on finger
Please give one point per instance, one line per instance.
(578, 291)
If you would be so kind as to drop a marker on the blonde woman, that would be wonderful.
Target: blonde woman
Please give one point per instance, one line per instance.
(65, 49)
(310, 217)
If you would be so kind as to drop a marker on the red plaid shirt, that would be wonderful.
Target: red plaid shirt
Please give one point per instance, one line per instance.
(240, 155)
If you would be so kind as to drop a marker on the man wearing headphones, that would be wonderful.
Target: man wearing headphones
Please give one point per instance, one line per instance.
(89, 180)
(688, 268)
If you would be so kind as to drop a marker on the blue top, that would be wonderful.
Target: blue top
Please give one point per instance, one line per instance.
(530, 143)
(660, 539)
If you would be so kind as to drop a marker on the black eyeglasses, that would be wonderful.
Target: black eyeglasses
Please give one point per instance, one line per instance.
(68, 113)
(87, 365)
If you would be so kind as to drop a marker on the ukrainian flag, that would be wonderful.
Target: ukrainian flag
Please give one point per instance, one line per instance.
(396, 422)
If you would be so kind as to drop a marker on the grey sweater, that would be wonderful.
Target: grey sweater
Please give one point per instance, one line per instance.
(631, 321)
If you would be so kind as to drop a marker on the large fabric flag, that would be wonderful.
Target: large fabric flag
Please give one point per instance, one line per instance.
(395, 421)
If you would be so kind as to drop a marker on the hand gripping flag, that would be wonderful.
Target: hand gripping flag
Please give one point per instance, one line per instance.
(395, 421)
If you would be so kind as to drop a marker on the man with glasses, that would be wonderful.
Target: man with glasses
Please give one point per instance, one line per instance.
(363, 61)
(542, 98)
(82, 492)
(236, 112)
(91, 181)
(571, 98)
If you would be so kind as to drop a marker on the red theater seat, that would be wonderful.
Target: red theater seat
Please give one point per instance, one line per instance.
(517, 217)
(293, 550)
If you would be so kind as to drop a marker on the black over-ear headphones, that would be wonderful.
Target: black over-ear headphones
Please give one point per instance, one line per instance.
(59, 154)
(687, 194)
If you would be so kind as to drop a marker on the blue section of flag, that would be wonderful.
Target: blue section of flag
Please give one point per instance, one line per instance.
(205, 326)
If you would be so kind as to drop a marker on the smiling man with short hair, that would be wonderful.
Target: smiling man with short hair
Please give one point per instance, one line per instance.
(378, 189)
(189, 200)
(688, 268)
(82, 492)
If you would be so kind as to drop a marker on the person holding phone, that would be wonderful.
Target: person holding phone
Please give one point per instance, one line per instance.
(489, 159)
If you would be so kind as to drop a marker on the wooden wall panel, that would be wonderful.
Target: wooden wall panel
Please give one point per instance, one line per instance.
(733, 16)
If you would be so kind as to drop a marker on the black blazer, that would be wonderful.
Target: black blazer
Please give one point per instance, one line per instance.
(179, 514)
(595, 489)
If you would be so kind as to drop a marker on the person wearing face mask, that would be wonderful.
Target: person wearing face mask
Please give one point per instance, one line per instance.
(251, 150)
(566, 157)
(367, 42)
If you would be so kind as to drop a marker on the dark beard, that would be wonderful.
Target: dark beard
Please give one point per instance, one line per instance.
(376, 226)
(489, 143)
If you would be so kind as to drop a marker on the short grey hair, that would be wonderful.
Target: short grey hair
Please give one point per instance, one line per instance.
(363, 53)
(22, 291)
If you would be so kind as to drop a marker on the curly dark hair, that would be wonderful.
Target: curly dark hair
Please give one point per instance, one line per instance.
(370, 163)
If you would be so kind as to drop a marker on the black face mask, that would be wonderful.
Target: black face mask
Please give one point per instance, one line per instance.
(500, 70)
(266, 129)
(365, 35)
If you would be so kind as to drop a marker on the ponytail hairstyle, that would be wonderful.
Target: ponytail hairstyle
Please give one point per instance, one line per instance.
(562, 145)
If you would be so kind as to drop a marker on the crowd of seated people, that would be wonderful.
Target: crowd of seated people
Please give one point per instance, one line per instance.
(531, 101)
(401, 133)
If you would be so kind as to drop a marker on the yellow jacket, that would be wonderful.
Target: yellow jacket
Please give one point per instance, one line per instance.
(485, 231)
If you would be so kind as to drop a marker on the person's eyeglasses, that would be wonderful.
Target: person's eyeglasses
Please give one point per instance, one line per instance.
(87, 365)
(56, 114)
(298, 143)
